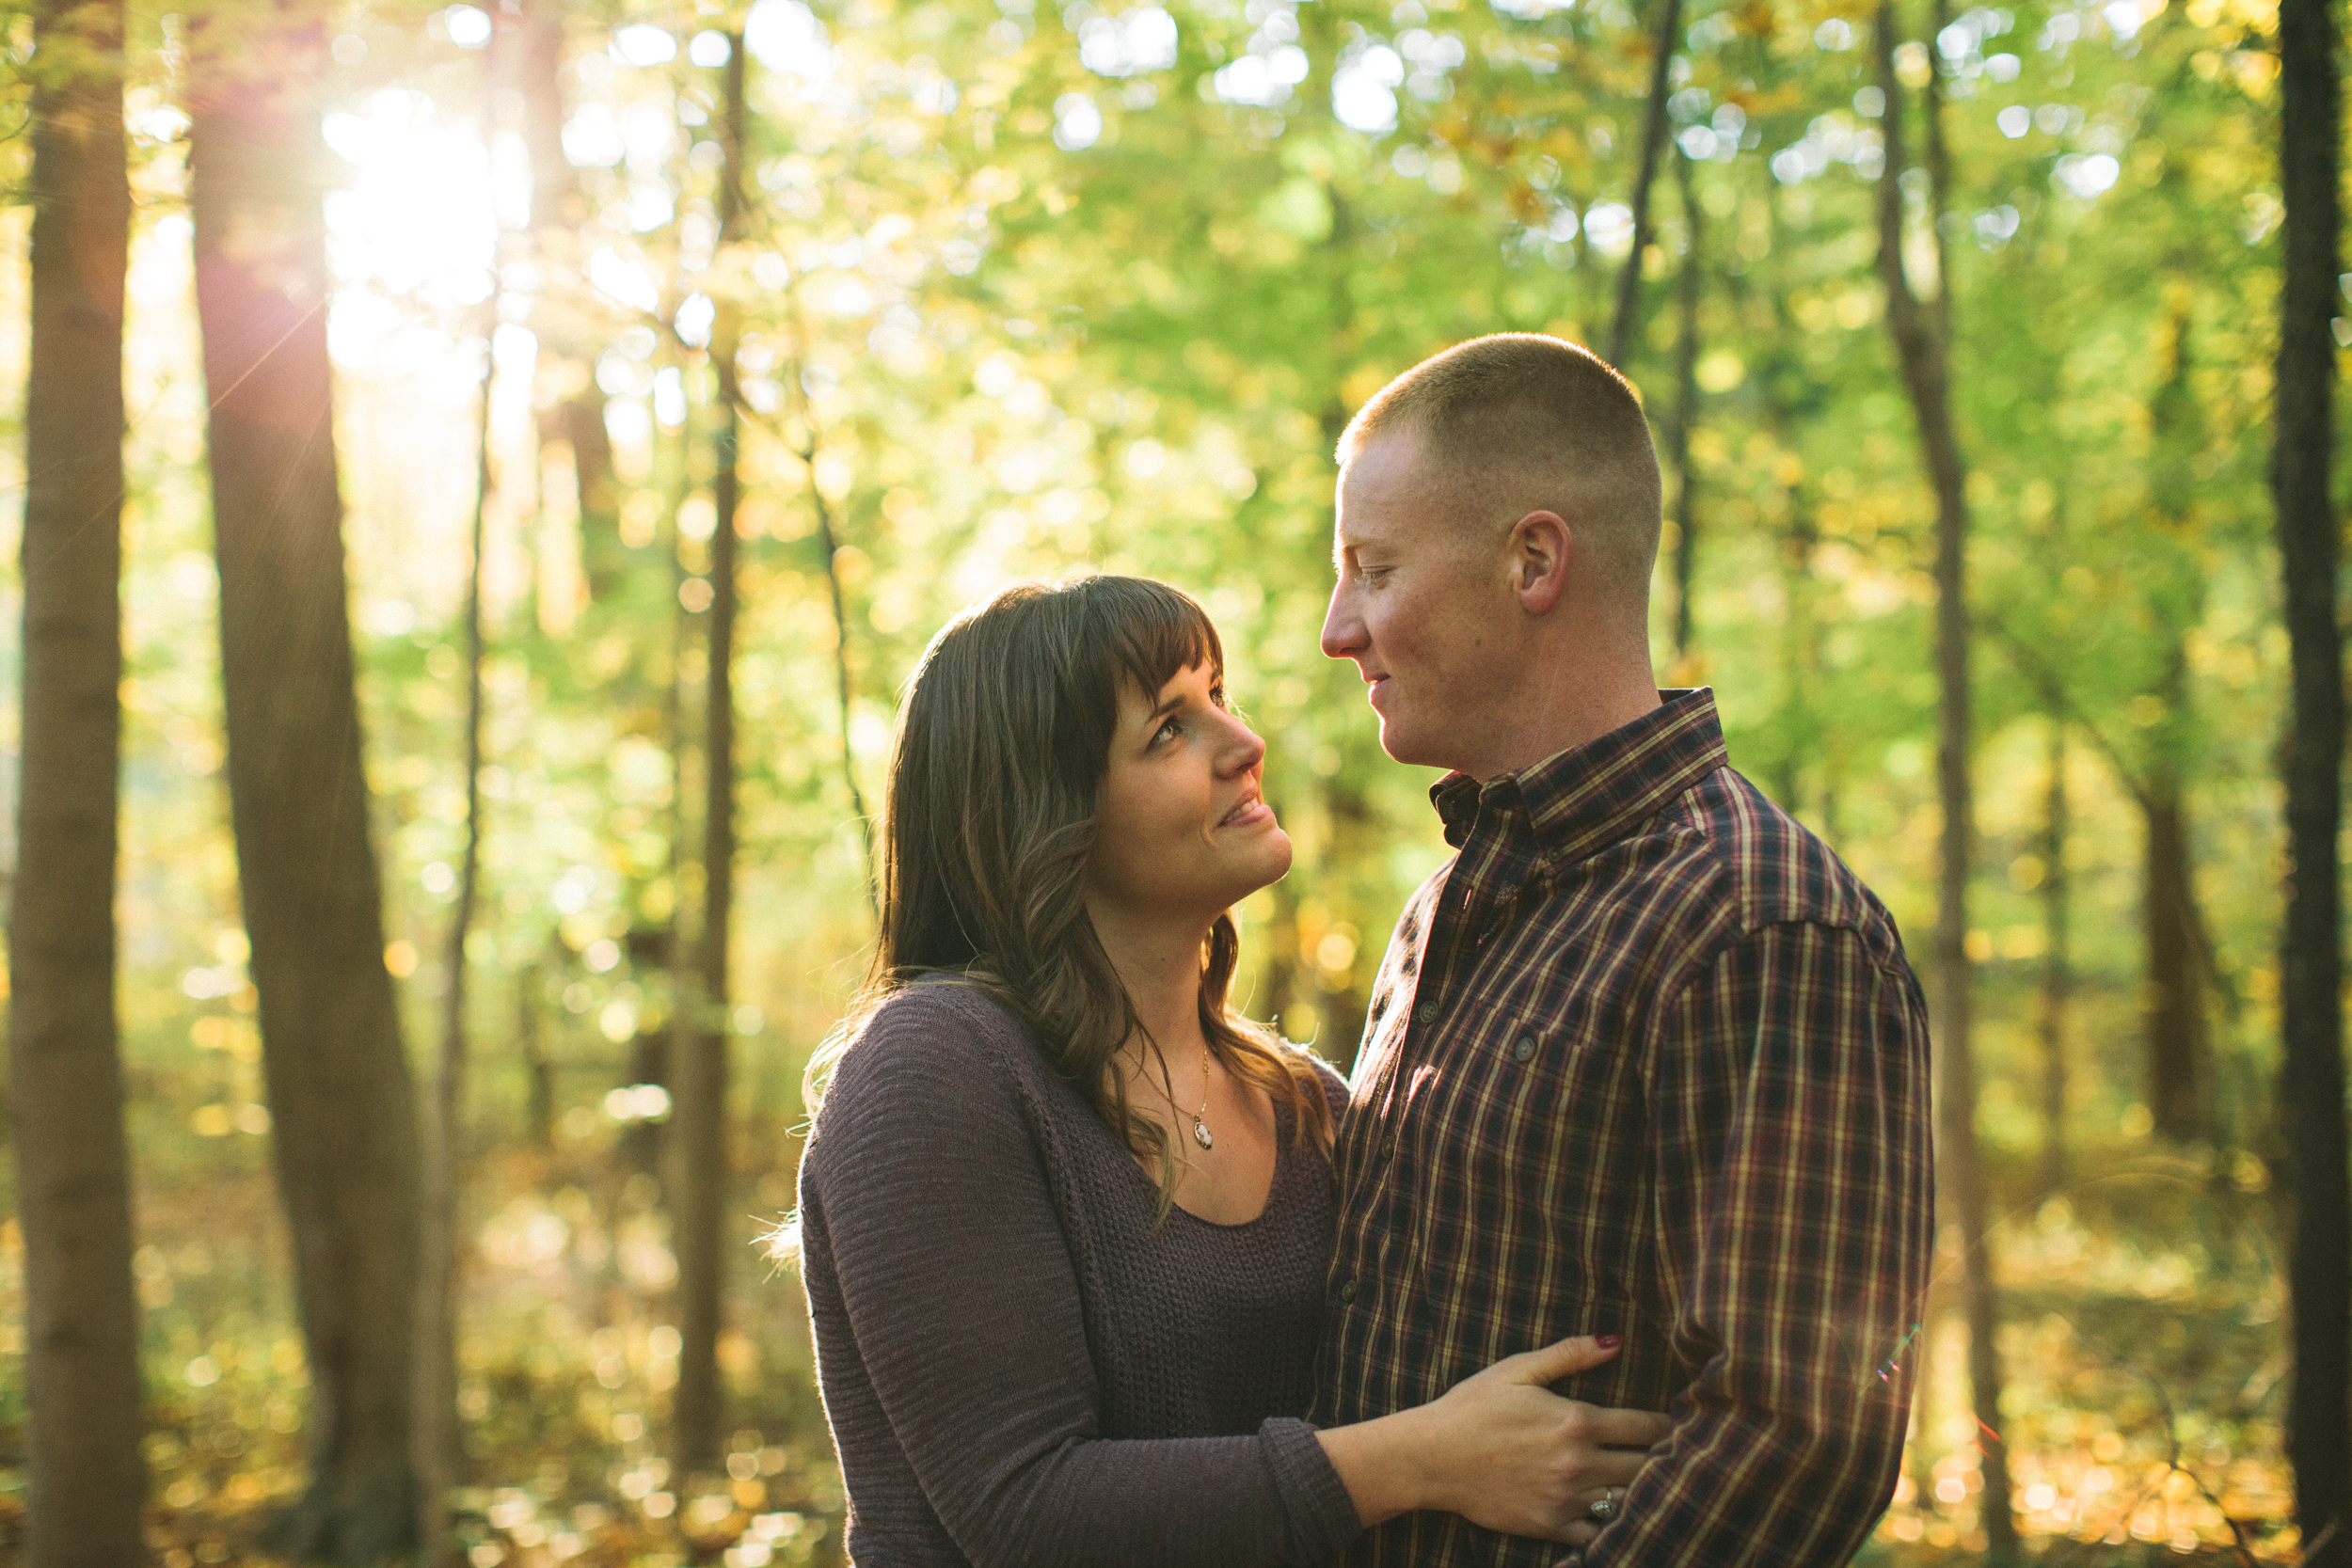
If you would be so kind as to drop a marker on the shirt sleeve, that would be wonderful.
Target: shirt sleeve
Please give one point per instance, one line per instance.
(1794, 1191)
(962, 1304)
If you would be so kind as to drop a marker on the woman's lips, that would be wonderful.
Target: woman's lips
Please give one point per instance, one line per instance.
(1247, 815)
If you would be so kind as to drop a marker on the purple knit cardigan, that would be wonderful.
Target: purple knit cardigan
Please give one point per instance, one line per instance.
(1025, 1368)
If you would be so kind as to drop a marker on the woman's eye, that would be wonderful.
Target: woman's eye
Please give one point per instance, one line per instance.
(1168, 731)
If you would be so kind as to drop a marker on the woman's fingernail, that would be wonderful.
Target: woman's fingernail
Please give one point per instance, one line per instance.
(1606, 1341)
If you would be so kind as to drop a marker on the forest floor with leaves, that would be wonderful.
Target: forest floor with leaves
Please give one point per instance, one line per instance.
(2141, 1338)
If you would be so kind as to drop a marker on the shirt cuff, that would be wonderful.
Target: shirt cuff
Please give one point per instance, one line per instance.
(1323, 1517)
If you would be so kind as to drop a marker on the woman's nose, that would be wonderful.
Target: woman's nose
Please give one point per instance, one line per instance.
(1243, 750)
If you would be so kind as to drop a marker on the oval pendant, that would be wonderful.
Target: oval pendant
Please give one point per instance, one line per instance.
(1201, 1134)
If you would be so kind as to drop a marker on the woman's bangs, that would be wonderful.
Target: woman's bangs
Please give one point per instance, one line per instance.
(1157, 633)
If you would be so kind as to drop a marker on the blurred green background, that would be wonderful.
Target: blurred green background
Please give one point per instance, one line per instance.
(1027, 289)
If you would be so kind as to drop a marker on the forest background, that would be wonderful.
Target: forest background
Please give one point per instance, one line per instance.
(691, 364)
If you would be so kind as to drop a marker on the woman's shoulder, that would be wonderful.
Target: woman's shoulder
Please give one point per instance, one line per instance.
(933, 1055)
(945, 1028)
(1334, 1086)
(1327, 1077)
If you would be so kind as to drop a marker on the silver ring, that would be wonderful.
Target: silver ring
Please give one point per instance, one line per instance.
(1604, 1507)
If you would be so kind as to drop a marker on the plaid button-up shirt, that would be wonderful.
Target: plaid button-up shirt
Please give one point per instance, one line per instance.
(1646, 1059)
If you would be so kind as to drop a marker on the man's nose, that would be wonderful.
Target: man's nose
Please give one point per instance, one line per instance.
(1342, 629)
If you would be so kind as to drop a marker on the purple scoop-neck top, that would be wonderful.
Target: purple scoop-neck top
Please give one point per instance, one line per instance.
(1024, 1367)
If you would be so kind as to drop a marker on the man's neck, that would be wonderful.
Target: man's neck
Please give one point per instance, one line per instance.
(1563, 719)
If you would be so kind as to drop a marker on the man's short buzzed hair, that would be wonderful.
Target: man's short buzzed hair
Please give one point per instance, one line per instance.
(1528, 422)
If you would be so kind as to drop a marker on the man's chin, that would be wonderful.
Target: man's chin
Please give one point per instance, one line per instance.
(1405, 744)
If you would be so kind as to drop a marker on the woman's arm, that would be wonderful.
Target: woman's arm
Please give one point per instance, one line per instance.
(957, 1286)
(1499, 1449)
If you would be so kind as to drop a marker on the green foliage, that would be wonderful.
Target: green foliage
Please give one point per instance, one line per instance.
(1026, 291)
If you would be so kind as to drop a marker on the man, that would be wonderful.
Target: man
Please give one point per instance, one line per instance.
(1644, 1057)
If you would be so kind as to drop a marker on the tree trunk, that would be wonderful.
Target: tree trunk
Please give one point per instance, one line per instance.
(2319, 1428)
(2057, 970)
(441, 1437)
(1787, 386)
(829, 548)
(700, 1129)
(530, 37)
(1685, 416)
(2174, 1024)
(87, 1475)
(340, 1094)
(1629, 311)
(539, 1067)
(1798, 654)
(1922, 344)
(535, 47)
(2172, 991)
(578, 422)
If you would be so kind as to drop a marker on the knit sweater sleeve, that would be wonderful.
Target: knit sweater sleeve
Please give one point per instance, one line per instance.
(957, 1287)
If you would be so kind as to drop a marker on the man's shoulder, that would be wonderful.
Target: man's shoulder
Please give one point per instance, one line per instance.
(1421, 903)
(1772, 869)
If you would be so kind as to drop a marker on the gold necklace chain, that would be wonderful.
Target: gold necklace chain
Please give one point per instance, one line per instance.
(1201, 1134)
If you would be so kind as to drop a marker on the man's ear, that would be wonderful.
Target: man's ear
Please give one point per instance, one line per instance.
(1540, 548)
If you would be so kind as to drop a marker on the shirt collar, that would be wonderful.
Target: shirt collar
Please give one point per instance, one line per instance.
(1589, 796)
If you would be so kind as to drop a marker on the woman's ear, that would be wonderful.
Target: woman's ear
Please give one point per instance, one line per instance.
(1540, 547)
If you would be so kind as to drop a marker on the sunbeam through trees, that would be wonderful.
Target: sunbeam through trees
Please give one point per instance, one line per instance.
(485, 474)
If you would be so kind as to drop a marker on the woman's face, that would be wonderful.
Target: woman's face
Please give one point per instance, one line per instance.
(1181, 830)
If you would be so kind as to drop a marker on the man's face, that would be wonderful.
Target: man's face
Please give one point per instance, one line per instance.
(1422, 606)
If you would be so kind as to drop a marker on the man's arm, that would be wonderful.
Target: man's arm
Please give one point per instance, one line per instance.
(1795, 1194)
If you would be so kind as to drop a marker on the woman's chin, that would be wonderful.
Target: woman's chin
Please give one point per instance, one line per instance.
(1278, 859)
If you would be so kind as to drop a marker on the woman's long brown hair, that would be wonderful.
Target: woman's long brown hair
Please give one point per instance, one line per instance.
(1002, 748)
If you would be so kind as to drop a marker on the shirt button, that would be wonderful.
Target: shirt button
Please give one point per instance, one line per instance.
(1426, 1013)
(1525, 1049)
(1347, 1292)
(1388, 1147)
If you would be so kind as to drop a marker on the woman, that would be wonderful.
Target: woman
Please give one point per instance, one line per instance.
(1065, 1217)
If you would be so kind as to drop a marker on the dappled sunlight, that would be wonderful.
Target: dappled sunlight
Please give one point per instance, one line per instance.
(1038, 289)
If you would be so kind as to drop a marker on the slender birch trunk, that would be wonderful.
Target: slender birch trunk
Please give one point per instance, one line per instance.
(2058, 966)
(2319, 1398)
(86, 1472)
(1628, 315)
(701, 1074)
(1922, 342)
(1685, 416)
(440, 1435)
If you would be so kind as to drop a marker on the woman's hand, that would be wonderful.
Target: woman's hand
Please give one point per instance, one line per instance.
(1500, 1449)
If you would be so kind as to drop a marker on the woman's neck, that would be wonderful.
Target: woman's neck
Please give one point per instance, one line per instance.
(1160, 966)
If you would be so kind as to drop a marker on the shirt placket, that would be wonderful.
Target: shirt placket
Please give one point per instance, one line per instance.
(1469, 911)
